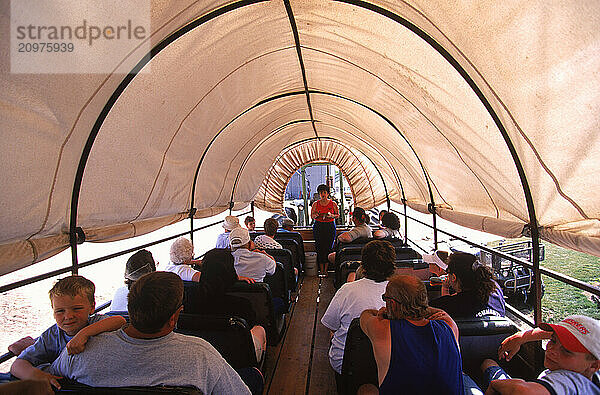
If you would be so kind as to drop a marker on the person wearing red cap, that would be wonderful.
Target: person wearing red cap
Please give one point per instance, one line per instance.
(572, 357)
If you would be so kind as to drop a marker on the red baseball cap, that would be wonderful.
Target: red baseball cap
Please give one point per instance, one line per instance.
(577, 333)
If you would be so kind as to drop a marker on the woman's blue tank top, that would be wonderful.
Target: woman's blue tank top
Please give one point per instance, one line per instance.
(424, 360)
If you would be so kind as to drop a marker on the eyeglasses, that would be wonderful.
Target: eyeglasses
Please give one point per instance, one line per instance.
(385, 298)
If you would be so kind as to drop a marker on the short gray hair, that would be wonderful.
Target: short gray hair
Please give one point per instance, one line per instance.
(182, 251)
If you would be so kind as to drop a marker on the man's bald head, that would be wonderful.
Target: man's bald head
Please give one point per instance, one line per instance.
(407, 298)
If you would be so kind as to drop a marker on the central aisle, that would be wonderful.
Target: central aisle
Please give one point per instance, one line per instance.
(299, 363)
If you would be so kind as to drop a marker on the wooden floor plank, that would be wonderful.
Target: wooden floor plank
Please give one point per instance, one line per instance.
(273, 352)
(322, 375)
(292, 368)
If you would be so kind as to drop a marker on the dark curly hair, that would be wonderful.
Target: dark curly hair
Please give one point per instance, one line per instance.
(472, 275)
(360, 216)
(322, 187)
(378, 260)
(390, 220)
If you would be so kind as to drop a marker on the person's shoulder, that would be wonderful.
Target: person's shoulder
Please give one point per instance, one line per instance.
(196, 345)
(567, 382)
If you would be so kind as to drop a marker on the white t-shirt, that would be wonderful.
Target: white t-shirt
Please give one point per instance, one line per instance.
(252, 264)
(119, 301)
(567, 382)
(390, 232)
(360, 231)
(348, 303)
(265, 242)
(186, 272)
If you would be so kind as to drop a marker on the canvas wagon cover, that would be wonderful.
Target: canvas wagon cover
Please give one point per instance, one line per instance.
(469, 105)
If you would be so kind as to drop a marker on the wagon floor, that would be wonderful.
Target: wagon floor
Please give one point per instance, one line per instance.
(299, 364)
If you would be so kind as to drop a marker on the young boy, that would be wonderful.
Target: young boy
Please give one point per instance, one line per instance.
(572, 357)
(72, 300)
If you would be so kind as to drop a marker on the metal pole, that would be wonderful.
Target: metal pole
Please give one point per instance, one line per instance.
(191, 215)
(431, 209)
(405, 222)
(537, 308)
(342, 198)
(304, 196)
(74, 260)
(252, 208)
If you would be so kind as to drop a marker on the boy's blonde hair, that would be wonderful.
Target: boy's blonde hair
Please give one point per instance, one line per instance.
(73, 286)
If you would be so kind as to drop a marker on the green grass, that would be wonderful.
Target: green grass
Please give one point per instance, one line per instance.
(561, 299)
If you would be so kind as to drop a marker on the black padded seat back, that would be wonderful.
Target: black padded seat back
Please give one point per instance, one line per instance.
(406, 253)
(360, 242)
(254, 234)
(292, 246)
(480, 337)
(259, 295)
(293, 236)
(74, 388)
(284, 256)
(278, 282)
(349, 253)
(230, 335)
(358, 366)
(346, 268)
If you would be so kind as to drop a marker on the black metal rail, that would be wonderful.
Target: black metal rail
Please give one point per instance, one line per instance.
(547, 272)
(57, 272)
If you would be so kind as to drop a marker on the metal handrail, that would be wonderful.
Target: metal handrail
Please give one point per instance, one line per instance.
(547, 272)
(6, 357)
(57, 272)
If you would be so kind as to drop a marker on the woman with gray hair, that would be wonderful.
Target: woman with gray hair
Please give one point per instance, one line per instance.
(182, 257)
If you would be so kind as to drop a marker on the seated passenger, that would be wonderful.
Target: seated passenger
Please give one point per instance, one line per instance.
(354, 297)
(137, 265)
(360, 230)
(572, 357)
(248, 261)
(229, 224)
(415, 346)
(182, 257)
(72, 300)
(287, 225)
(147, 352)
(267, 241)
(437, 268)
(218, 275)
(250, 223)
(437, 262)
(474, 285)
(390, 227)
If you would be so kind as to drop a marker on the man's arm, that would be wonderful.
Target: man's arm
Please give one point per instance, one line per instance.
(516, 387)
(511, 345)
(25, 371)
(377, 328)
(77, 343)
(345, 237)
(439, 314)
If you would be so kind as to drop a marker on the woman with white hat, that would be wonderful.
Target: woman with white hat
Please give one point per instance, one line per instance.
(229, 224)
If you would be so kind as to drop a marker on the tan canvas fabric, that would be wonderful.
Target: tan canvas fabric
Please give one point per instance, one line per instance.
(225, 105)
